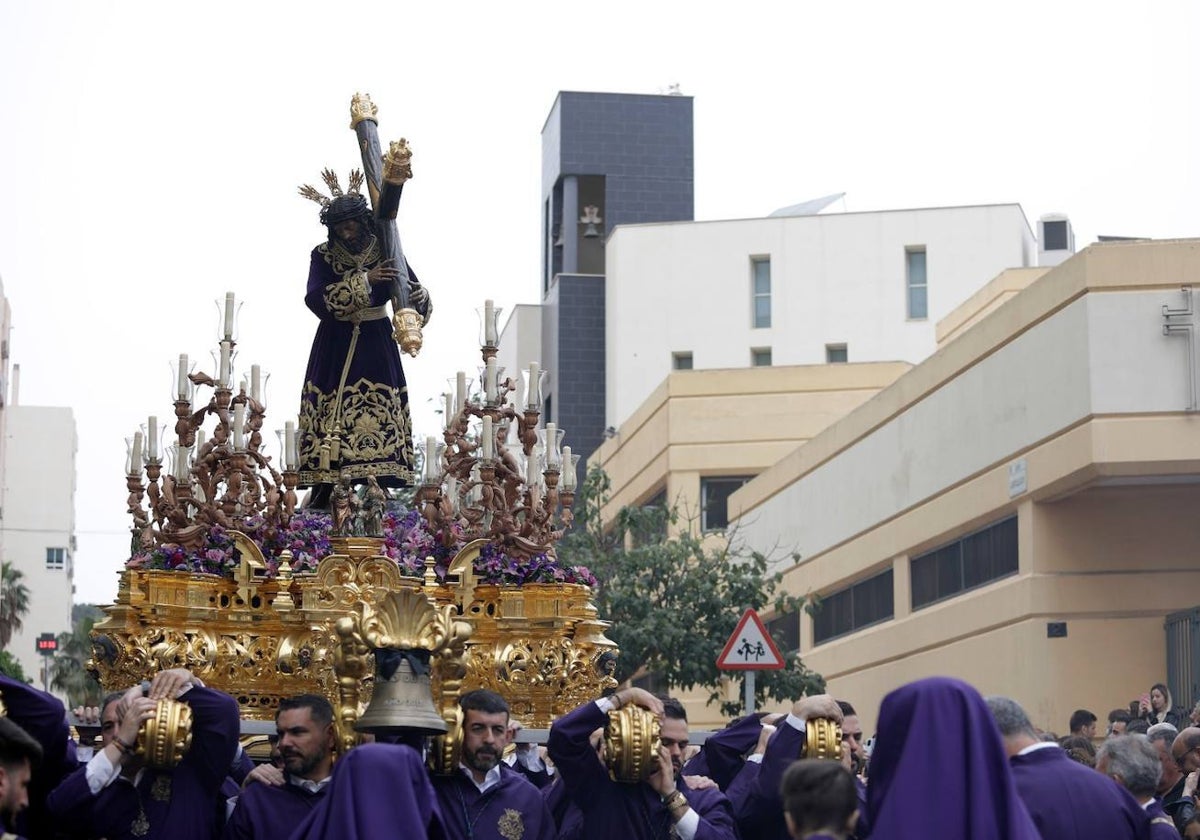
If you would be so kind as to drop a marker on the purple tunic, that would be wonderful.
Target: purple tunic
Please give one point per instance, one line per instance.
(1162, 827)
(758, 807)
(723, 753)
(616, 811)
(372, 406)
(270, 812)
(1068, 800)
(42, 716)
(939, 768)
(378, 791)
(180, 804)
(514, 807)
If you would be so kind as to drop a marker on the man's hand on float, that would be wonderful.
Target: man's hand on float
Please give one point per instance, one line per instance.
(168, 684)
(639, 697)
(662, 777)
(817, 706)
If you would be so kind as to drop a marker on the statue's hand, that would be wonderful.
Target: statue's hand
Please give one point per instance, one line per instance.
(418, 297)
(385, 272)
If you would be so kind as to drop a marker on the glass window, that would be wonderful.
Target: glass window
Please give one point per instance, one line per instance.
(56, 558)
(714, 500)
(681, 361)
(965, 564)
(761, 269)
(836, 353)
(785, 630)
(917, 284)
(760, 357)
(855, 607)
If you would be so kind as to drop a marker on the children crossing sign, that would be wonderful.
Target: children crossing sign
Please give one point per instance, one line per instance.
(750, 647)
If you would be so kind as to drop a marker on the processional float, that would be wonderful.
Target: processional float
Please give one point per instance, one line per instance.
(390, 613)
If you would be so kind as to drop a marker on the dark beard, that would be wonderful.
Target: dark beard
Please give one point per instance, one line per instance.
(359, 243)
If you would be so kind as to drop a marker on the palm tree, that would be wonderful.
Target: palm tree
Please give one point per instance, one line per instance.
(14, 601)
(68, 670)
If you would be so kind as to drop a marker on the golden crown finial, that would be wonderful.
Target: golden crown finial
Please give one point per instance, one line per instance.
(331, 180)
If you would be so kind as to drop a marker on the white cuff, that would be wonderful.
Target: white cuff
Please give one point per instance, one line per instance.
(605, 704)
(531, 760)
(688, 824)
(754, 758)
(796, 722)
(101, 772)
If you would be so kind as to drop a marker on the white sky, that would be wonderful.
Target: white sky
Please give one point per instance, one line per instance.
(150, 155)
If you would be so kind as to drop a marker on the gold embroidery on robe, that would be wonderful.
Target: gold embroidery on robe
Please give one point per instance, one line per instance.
(161, 790)
(376, 431)
(510, 824)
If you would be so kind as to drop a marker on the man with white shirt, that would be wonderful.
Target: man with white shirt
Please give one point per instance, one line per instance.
(526, 759)
(307, 739)
(1066, 799)
(485, 799)
(116, 796)
(663, 806)
(1132, 761)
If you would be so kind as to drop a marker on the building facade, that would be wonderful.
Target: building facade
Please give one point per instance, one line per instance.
(794, 290)
(38, 498)
(1019, 510)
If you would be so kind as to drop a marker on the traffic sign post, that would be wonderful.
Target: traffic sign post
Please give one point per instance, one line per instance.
(750, 649)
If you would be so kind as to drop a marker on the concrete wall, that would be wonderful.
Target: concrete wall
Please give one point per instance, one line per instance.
(39, 513)
(1073, 380)
(835, 279)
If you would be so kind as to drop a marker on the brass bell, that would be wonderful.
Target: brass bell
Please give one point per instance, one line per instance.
(631, 744)
(165, 738)
(402, 700)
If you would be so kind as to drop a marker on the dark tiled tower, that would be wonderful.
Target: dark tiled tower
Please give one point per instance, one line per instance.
(630, 157)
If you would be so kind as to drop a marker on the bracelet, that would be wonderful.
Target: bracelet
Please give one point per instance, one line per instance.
(615, 699)
(674, 800)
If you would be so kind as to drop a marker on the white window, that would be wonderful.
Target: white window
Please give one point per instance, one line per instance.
(917, 283)
(761, 271)
(56, 558)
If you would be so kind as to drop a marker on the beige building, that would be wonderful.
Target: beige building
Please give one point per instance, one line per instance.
(703, 433)
(1022, 509)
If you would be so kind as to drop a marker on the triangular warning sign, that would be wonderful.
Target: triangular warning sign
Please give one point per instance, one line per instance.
(750, 647)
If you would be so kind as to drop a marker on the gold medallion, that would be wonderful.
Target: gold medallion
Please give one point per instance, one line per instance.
(510, 825)
(161, 791)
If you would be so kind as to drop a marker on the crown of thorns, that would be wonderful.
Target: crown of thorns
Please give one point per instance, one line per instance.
(338, 206)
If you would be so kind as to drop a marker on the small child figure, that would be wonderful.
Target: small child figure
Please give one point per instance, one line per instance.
(819, 800)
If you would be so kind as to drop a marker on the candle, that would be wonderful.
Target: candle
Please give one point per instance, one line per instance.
(531, 399)
(225, 364)
(181, 463)
(460, 391)
(228, 316)
(289, 445)
(488, 437)
(135, 460)
(431, 469)
(552, 451)
(449, 398)
(489, 380)
(183, 380)
(531, 468)
(239, 425)
(256, 383)
(199, 440)
(489, 323)
(568, 478)
(152, 437)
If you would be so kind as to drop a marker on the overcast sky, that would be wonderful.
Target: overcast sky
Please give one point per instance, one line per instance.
(150, 155)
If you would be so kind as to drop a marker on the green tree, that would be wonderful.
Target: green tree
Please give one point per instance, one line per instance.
(68, 670)
(672, 602)
(10, 666)
(14, 601)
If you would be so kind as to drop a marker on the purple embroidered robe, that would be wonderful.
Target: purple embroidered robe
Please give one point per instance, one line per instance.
(179, 804)
(616, 811)
(270, 812)
(368, 398)
(514, 807)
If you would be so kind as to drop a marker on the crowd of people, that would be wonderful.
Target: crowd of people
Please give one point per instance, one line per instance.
(946, 763)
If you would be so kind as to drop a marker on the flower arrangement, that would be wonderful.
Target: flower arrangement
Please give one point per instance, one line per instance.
(407, 539)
